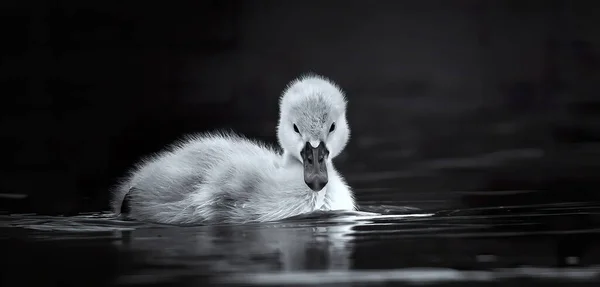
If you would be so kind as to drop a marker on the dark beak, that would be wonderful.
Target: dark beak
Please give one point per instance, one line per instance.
(315, 169)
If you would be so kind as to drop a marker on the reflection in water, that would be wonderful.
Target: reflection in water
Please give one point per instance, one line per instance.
(306, 243)
(229, 249)
(543, 242)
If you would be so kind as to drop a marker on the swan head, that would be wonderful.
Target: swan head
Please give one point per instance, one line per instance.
(312, 125)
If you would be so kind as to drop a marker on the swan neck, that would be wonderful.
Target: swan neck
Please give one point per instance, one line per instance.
(288, 159)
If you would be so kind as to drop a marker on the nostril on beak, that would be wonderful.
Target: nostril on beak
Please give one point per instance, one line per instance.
(315, 169)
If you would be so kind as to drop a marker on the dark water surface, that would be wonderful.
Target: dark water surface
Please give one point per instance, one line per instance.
(541, 245)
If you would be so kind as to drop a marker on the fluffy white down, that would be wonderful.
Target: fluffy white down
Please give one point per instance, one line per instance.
(226, 178)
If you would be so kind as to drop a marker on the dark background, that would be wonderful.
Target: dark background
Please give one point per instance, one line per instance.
(452, 103)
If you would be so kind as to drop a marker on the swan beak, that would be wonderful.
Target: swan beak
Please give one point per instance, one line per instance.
(315, 167)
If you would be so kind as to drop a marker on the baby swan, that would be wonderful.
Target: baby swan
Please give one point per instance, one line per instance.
(226, 178)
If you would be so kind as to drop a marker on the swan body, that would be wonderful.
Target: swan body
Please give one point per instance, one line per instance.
(226, 178)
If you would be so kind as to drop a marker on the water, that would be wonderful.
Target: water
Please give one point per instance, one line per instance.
(540, 245)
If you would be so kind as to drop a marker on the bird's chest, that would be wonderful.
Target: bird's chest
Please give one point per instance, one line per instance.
(319, 199)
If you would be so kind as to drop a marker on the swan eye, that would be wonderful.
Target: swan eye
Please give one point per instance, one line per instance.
(296, 129)
(332, 128)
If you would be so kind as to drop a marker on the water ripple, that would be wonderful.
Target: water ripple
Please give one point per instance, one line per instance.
(380, 243)
(413, 275)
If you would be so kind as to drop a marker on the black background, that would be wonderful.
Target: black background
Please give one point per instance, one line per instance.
(451, 102)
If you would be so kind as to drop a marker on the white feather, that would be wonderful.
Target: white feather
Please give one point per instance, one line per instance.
(225, 177)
